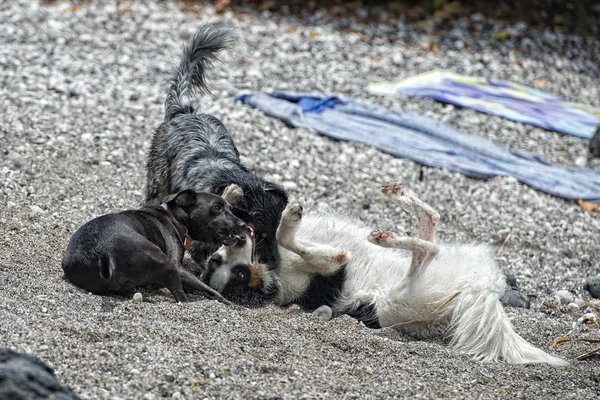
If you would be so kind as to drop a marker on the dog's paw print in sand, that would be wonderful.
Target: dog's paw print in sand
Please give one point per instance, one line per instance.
(293, 212)
(378, 237)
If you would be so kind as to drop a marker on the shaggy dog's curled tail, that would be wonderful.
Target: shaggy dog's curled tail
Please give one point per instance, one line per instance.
(198, 57)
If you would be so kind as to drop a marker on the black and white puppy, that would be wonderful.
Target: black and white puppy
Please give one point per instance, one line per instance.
(411, 284)
(118, 252)
(191, 150)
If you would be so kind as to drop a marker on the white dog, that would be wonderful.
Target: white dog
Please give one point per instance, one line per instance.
(412, 284)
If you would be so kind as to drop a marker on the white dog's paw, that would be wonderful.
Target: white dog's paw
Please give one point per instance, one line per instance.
(393, 189)
(292, 213)
(233, 194)
(381, 238)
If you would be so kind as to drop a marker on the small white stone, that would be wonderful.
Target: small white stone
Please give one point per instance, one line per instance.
(289, 185)
(323, 313)
(35, 210)
(44, 310)
(572, 307)
(588, 318)
(565, 296)
(581, 162)
(137, 298)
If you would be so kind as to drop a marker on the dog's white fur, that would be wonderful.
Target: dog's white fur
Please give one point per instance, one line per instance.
(443, 289)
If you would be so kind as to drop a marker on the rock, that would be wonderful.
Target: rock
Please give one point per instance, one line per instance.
(514, 298)
(588, 318)
(289, 185)
(138, 298)
(572, 307)
(594, 146)
(511, 281)
(323, 313)
(592, 285)
(25, 377)
(35, 210)
(565, 296)
(581, 162)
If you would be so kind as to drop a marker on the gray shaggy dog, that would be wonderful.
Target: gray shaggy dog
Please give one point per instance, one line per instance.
(193, 151)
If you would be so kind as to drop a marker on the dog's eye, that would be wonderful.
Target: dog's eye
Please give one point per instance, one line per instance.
(217, 208)
(241, 275)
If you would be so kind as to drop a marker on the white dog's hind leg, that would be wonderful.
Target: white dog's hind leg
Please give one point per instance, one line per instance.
(322, 259)
(428, 218)
(422, 248)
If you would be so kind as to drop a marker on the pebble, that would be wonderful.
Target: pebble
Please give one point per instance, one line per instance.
(565, 296)
(138, 298)
(592, 285)
(572, 307)
(35, 210)
(323, 313)
(589, 318)
(289, 185)
(514, 298)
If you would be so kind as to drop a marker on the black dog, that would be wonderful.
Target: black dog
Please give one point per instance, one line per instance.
(117, 252)
(194, 151)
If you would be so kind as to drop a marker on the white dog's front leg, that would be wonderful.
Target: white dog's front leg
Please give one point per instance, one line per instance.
(320, 258)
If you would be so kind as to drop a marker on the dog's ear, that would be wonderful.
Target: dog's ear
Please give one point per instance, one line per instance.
(181, 199)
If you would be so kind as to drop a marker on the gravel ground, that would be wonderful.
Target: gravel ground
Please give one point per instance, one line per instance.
(81, 90)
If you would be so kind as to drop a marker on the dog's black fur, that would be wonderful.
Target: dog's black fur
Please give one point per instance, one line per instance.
(118, 252)
(194, 151)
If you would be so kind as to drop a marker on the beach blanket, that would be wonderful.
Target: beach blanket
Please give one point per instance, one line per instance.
(424, 140)
(506, 99)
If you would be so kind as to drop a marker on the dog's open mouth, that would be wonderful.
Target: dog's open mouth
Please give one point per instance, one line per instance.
(243, 239)
(238, 240)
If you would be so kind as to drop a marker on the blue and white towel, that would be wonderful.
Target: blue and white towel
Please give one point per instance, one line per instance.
(424, 140)
(506, 99)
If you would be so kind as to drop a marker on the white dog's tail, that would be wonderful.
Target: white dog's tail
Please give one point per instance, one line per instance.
(480, 327)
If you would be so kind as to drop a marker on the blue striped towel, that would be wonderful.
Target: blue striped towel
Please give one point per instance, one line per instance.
(425, 140)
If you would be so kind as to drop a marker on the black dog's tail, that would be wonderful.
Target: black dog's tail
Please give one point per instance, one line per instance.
(198, 57)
